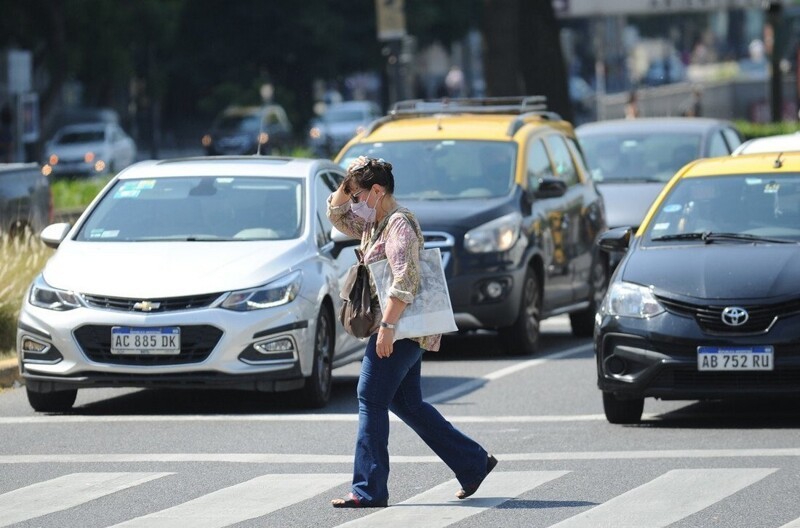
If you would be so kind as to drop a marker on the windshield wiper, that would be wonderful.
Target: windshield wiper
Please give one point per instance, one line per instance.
(710, 236)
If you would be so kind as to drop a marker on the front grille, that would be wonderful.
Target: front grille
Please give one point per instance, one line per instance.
(197, 342)
(762, 316)
(169, 304)
(693, 379)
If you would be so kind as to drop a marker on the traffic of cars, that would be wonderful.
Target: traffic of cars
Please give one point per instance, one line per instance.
(204, 273)
(527, 226)
(242, 130)
(88, 149)
(338, 123)
(704, 305)
(501, 187)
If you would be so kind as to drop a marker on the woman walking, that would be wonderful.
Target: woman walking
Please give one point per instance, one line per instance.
(364, 207)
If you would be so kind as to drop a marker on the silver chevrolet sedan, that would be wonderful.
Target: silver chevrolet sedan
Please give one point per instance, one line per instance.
(204, 272)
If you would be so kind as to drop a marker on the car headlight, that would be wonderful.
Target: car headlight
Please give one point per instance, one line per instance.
(45, 296)
(276, 293)
(626, 299)
(498, 235)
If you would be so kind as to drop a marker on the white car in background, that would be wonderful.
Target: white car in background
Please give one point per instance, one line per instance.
(766, 144)
(88, 149)
(196, 273)
(338, 124)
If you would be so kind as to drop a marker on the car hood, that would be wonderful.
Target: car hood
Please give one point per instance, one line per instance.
(627, 203)
(718, 270)
(146, 270)
(460, 215)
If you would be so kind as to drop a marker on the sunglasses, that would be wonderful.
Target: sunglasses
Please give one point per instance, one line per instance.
(354, 196)
(363, 165)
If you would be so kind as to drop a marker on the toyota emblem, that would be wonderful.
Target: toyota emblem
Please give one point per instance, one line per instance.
(734, 316)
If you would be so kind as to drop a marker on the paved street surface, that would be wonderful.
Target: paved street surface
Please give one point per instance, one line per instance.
(217, 458)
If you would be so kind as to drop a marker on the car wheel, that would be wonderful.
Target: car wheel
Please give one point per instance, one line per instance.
(317, 390)
(522, 338)
(628, 411)
(582, 322)
(58, 401)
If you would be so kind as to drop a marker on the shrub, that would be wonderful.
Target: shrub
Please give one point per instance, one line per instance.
(754, 130)
(72, 194)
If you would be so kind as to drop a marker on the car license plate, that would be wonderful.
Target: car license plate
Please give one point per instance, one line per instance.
(735, 358)
(145, 341)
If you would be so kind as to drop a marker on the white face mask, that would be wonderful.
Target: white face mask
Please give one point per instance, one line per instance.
(363, 210)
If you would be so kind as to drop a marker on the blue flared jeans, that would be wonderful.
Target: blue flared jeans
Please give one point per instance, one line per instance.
(393, 383)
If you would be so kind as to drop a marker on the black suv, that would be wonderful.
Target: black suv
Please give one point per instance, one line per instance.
(500, 185)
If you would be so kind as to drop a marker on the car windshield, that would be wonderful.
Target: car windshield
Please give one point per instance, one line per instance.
(238, 123)
(739, 208)
(207, 208)
(444, 169)
(640, 157)
(343, 116)
(86, 136)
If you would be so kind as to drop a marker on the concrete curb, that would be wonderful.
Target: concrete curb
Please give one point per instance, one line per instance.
(9, 372)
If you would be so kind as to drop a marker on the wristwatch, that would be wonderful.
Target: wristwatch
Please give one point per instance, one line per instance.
(390, 326)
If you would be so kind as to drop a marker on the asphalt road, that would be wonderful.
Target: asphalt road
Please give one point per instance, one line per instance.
(203, 459)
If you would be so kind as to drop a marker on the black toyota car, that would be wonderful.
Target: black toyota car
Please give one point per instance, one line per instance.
(706, 302)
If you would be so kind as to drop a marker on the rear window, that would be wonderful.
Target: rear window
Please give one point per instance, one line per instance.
(444, 169)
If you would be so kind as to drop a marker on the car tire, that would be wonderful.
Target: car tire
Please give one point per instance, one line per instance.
(627, 411)
(57, 401)
(582, 322)
(317, 389)
(522, 338)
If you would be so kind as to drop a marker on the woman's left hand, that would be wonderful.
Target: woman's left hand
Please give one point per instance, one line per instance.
(385, 343)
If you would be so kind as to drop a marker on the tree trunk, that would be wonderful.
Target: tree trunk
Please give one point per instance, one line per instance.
(523, 52)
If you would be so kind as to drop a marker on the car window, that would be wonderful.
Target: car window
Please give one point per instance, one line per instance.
(577, 156)
(717, 145)
(88, 136)
(732, 137)
(197, 208)
(444, 169)
(538, 164)
(562, 161)
(325, 184)
(639, 157)
(750, 204)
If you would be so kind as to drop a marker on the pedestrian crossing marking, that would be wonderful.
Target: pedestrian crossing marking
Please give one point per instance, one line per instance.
(667, 499)
(438, 506)
(65, 492)
(792, 524)
(247, 500)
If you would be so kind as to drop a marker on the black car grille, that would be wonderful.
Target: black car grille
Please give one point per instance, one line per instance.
(170, 304)
(197, 342)
(761, 316)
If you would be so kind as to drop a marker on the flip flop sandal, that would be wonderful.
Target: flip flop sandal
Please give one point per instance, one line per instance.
(466, 491)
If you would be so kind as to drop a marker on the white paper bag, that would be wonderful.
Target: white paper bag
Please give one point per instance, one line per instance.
(431, 312)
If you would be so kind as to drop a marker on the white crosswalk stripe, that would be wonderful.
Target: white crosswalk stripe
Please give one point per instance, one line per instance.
(438, 506)
(667, 499)
(65, 492)
(241, 502)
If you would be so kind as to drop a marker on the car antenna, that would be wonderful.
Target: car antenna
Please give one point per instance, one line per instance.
(778, 163)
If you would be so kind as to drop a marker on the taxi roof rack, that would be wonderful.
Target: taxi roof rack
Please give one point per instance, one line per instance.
(523, 106)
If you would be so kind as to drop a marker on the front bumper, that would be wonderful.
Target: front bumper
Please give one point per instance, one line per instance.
(474, 308)
(639, 358)
(217, 348)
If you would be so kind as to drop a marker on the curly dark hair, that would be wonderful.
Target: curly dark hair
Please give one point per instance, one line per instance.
(365, 172)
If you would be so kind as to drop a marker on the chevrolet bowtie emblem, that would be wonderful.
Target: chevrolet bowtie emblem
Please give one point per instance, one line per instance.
(146, 306)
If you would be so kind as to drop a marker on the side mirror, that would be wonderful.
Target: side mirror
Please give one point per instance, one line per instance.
(616, 240)
(54, 234)
(550, 188)
(341, 241)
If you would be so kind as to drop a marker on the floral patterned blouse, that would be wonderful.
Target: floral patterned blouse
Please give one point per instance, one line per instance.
(399, 243)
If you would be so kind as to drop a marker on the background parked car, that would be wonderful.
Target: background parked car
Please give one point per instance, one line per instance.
(243, 129)
(705, 305)
(338, 124)
(500, 186)
(26, 200)
(224, 275)
(778, 143)
(88, 149)
(632, 159)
